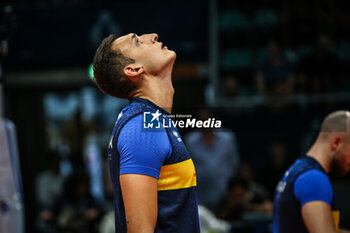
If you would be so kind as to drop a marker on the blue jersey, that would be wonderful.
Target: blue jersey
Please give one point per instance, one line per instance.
(159, 153)
(303, 182)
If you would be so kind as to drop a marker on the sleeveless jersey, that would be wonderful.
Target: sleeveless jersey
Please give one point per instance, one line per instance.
(287, 216)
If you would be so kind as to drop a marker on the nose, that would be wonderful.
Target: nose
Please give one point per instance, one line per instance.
(149, 38)
(154, 37)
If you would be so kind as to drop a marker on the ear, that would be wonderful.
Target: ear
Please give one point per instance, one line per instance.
(133, 70)
(336, 142)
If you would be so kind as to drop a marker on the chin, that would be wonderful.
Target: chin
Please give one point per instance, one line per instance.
(172, 57)
(339, 167)
(173, 54)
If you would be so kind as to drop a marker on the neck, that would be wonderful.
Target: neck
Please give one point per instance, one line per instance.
(158, 88)
(321, 154)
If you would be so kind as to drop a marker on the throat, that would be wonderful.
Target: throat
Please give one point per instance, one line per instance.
(162, 96)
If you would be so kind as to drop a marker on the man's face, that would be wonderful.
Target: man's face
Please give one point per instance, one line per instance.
(152, 55)
(341, 160)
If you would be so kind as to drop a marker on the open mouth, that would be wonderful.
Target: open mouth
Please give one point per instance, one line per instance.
(163, 46)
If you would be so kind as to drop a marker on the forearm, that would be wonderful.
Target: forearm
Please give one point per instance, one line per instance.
(317, 217)
(138, 225)
(140, 201)
(139, 228)
(141, 231)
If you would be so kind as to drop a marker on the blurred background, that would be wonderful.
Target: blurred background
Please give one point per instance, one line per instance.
(270, 70)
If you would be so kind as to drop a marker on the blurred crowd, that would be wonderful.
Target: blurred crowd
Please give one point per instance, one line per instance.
(319, 72)
(283, 48)
(67, 202)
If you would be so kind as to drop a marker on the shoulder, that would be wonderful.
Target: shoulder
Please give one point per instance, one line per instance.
(313, 176)
(132, 134)
(141, 151)
(225, 134)
(313, 185)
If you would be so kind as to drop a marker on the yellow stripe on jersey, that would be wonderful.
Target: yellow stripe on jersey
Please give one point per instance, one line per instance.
(177, 176)
(336, 216)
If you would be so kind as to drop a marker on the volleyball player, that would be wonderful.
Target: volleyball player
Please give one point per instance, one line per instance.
(152, 173)
(304, 199)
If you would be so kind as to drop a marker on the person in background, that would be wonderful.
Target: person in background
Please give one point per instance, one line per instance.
(234, 202)
(49, 186)
(76, 210)
(257, 195)
(304, 198)
(215, 153)
(275, 76)
(230, 86)
(321, 71)
(277, 163)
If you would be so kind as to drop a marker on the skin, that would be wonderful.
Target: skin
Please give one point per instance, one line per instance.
(152, 68)
(140, 202)
(317, 217)
(151, 72)
(332, 150)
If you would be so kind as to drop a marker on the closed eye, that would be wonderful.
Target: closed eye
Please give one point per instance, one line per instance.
(135, 39)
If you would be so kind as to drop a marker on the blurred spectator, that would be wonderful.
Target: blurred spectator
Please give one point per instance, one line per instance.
(3, 52)
(276, 166)
(321, 71)
(215, 155)
(49, 183)
(93, 162)
(235, 201)
(230, 86)
(257, 194)
(209, 223)
(275, 75)
(243, 196)
(73, 135)
(107, 224)
(49, 186)
(76, 210)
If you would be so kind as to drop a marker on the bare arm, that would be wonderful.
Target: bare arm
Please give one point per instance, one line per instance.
(140, 202)
(317, 216)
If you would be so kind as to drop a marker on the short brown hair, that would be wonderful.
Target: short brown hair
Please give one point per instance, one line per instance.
(108, 70)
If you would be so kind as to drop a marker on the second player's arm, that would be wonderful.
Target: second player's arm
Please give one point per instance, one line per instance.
(317, 216)
(140, 202)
